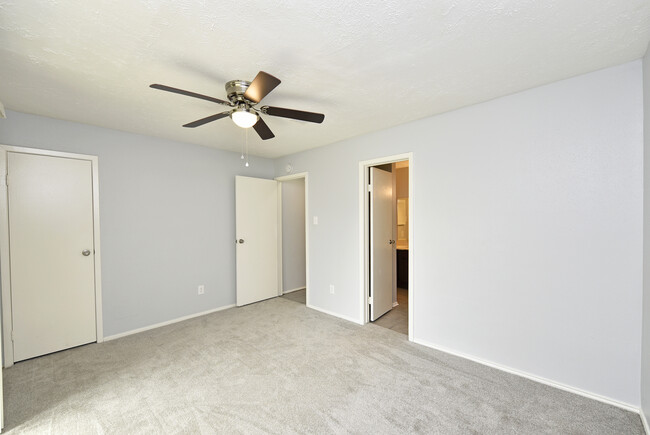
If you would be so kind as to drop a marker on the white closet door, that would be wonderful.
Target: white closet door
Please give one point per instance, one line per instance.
(52, 253)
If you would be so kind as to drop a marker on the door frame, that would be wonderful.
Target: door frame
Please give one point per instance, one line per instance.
(364, 239)
(297, 176)
(5, 269)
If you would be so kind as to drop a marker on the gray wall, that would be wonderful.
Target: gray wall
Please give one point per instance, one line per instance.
(293, 234)
(527, 229)
(166, 215)
(645, 357)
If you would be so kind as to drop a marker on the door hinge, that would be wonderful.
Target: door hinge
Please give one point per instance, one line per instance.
(370, 300)
(369, 187)
(5, 180)
(12, 335)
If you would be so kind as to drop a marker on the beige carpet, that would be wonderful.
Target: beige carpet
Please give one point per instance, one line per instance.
(279, 367)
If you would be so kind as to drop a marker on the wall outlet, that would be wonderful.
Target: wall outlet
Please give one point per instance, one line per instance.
(201, 289)
(331, 289)
(315, 220)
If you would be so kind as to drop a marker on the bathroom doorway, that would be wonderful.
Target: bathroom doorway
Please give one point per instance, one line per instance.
(387, 242)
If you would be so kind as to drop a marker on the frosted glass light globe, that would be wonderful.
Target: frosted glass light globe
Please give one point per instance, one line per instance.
(244, 118)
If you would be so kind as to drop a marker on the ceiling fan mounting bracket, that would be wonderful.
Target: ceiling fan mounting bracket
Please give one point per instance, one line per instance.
(235, 90)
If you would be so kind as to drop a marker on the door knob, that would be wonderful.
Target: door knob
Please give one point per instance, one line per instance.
(241, 241)
(391, 242)
(85, 252)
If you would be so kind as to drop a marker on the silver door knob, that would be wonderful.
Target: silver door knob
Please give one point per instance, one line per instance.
(85, 252)
(241, 241)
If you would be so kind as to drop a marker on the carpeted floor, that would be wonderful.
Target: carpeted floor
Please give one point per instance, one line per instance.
(279, 367)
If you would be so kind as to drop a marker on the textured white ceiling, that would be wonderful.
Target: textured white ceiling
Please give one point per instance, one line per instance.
(367, 65)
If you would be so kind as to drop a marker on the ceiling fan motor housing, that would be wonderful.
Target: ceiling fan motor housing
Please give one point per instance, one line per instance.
(235, 90)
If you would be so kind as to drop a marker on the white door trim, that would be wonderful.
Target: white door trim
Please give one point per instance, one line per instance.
(5, 281)
(364, 241)
(297, 176)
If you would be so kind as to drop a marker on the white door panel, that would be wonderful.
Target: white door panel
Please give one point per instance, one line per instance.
(50, 203)
(381, 246)
(257, 235)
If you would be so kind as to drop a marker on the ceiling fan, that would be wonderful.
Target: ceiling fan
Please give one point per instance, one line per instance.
(243, 96)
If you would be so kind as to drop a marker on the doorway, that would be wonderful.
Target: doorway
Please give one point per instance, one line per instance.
(259, 238)
(293, 236)
(51, 281)
(386, 227)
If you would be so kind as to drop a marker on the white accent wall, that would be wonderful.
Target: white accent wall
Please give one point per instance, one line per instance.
(527, 229)
(293, 235)
(645, 359)
(167, 216)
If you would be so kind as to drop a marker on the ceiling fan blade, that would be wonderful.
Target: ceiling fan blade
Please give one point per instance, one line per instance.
(263, 130)
(189, 94)
(260, 87)
(293, 114)
(207, 119)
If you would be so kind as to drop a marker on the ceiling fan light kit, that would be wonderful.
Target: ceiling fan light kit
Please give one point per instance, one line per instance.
(243, 96)
(244, 117)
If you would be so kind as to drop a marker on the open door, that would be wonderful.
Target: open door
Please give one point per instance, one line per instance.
(256, 220)
(381, 243)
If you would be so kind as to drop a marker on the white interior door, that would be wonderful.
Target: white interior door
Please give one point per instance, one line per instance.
(50, 201)
(381, 242)
(256, 211)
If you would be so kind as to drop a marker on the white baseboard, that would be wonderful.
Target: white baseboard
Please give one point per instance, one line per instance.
(644, 421)
(284, 292)
(349, 319)
(535, 378)
(395, 304)
(168, 322)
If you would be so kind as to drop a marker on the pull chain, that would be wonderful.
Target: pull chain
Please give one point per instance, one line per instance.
(246, 147)
(242, 145)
